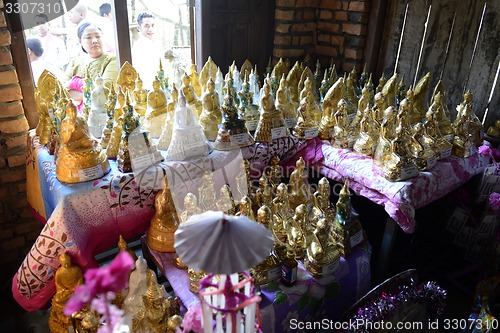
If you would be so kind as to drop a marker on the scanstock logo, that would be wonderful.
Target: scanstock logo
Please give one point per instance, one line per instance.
(24, 14)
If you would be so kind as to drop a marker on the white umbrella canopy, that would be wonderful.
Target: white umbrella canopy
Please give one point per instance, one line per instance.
(222, 244)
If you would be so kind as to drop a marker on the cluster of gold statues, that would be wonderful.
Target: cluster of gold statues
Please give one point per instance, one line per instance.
(146, 305)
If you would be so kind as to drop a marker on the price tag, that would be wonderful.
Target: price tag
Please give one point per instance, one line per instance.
(310, 133)
(356, 238)
(142, 162)
(252, 124)
(431, 162)
(449, 137)
(330, 268)
(445, 153)
(241, 138)
(274, 274)
(409, 172)
(278, 132)
(290, 122)
(90, 173)
(195, 149)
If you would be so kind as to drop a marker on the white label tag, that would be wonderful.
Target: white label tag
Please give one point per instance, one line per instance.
(195, 149)
(278, 132)
(274, 274)
(331, 268)
(356, 238)
(431, 162)
(241, 139)
(90, 173)
(310, 133)
(409, 172)
(445, 153)
(142, 162)
(290, 122)
(449, 137)
(252, 124)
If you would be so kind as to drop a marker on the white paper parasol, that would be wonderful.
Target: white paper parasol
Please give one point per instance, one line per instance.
(222, 244)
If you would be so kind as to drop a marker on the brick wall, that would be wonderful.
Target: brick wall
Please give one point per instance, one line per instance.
(325, 29)
(18, 229)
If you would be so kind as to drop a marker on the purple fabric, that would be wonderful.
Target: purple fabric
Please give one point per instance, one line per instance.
(400, 199)
(309, 299)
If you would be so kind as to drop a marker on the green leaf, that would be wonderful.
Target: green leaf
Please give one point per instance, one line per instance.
(332, 290)
(280, 297)
(304, 301)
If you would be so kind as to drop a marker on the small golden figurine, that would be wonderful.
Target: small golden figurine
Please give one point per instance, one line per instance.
(246, 68)
(420, 95)
(443, 117)
(293, 79)
(282, 213)
(330, 107)
(67, 277)
(191, 98)
(468, 129)
(195, 79)
(207, 192)
(123, 246)
(271, 124)
(48, 94)
(389, 90)
(298, 186)
(381, 83)
(274, 173)
(296, 234)
(127, 76)
(208, 71)
(307, 125)
(246, 208)
(190, 207)
(211, 115)
(399, 165)
(347, 227)
(160, 235)
(140, 97)
(110, 112)
(413, 113)
(264, 194)
(432, 134)
(226, 203)
(340, 135)
(427, 159)
(116, 133)
(322, 256)
(363, 103)
(350, 84)
(306, 84)
(285, 105)
(80, 157)
(166, 133)
(322, 206)
(270, 269)
(233, 134)
(157, 110)
(247, 109)
(368, 134)
(387, 131)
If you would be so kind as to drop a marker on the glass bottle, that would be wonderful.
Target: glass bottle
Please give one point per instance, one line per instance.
(289, 268)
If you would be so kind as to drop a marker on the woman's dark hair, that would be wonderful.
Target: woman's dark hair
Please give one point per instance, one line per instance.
(81, 28)
(35, 46)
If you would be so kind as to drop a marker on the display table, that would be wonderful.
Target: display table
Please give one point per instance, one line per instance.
(400, 199)
(87, 218)
(309, 299)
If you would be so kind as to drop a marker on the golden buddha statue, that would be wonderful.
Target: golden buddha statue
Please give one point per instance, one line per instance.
(264, 194)
(399, 164)
(304, 87)
(322, 207)
(475, 125)
(322, 255)
(279, 69)
(282, 212)
(46, 96)
(330, 107)
(271, 124)
(166, 133)
(307, 124)
(190, 207)
(347, 228)
(208, 71)
(432, 134)
(116, 132)
(194, 279)
(85, 321)
(157, 110)
(293, 79)
(110, 112)
(140, 97)
(270, 269)
(413, 113)
(127, 75)
(67, 277)
(379, 107)
(427, 159)
(324, 86)
(157, 310)
(274, 172)
(246, 208)
(98, 116)
(420, 95)
(368, 134)
(296, 232)
(443, 117)
(206, 192)
(340, 133)
(160, 235)
(191, 98)
(387, 132)
(233, 133)
(247, 109)
(299, 189)
(285, 105)
(363, 103)
(381, 83)
(463, 140)
(390, 89)
(333, 75)
(195, 79)
(211, 115)
(246, 68)
(350, 84)
(80, 157)
(226, 202)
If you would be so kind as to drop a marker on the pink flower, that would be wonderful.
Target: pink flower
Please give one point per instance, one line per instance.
(192, 320)
(485, 150)
(495, 201)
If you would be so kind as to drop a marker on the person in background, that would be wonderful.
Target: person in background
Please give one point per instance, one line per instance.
(146, 52)
(38, 65)
(55, 53)
(95, 61)
(107, 25)
(76, 16)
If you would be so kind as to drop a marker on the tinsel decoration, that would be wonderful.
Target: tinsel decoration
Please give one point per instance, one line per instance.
(385, 306)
